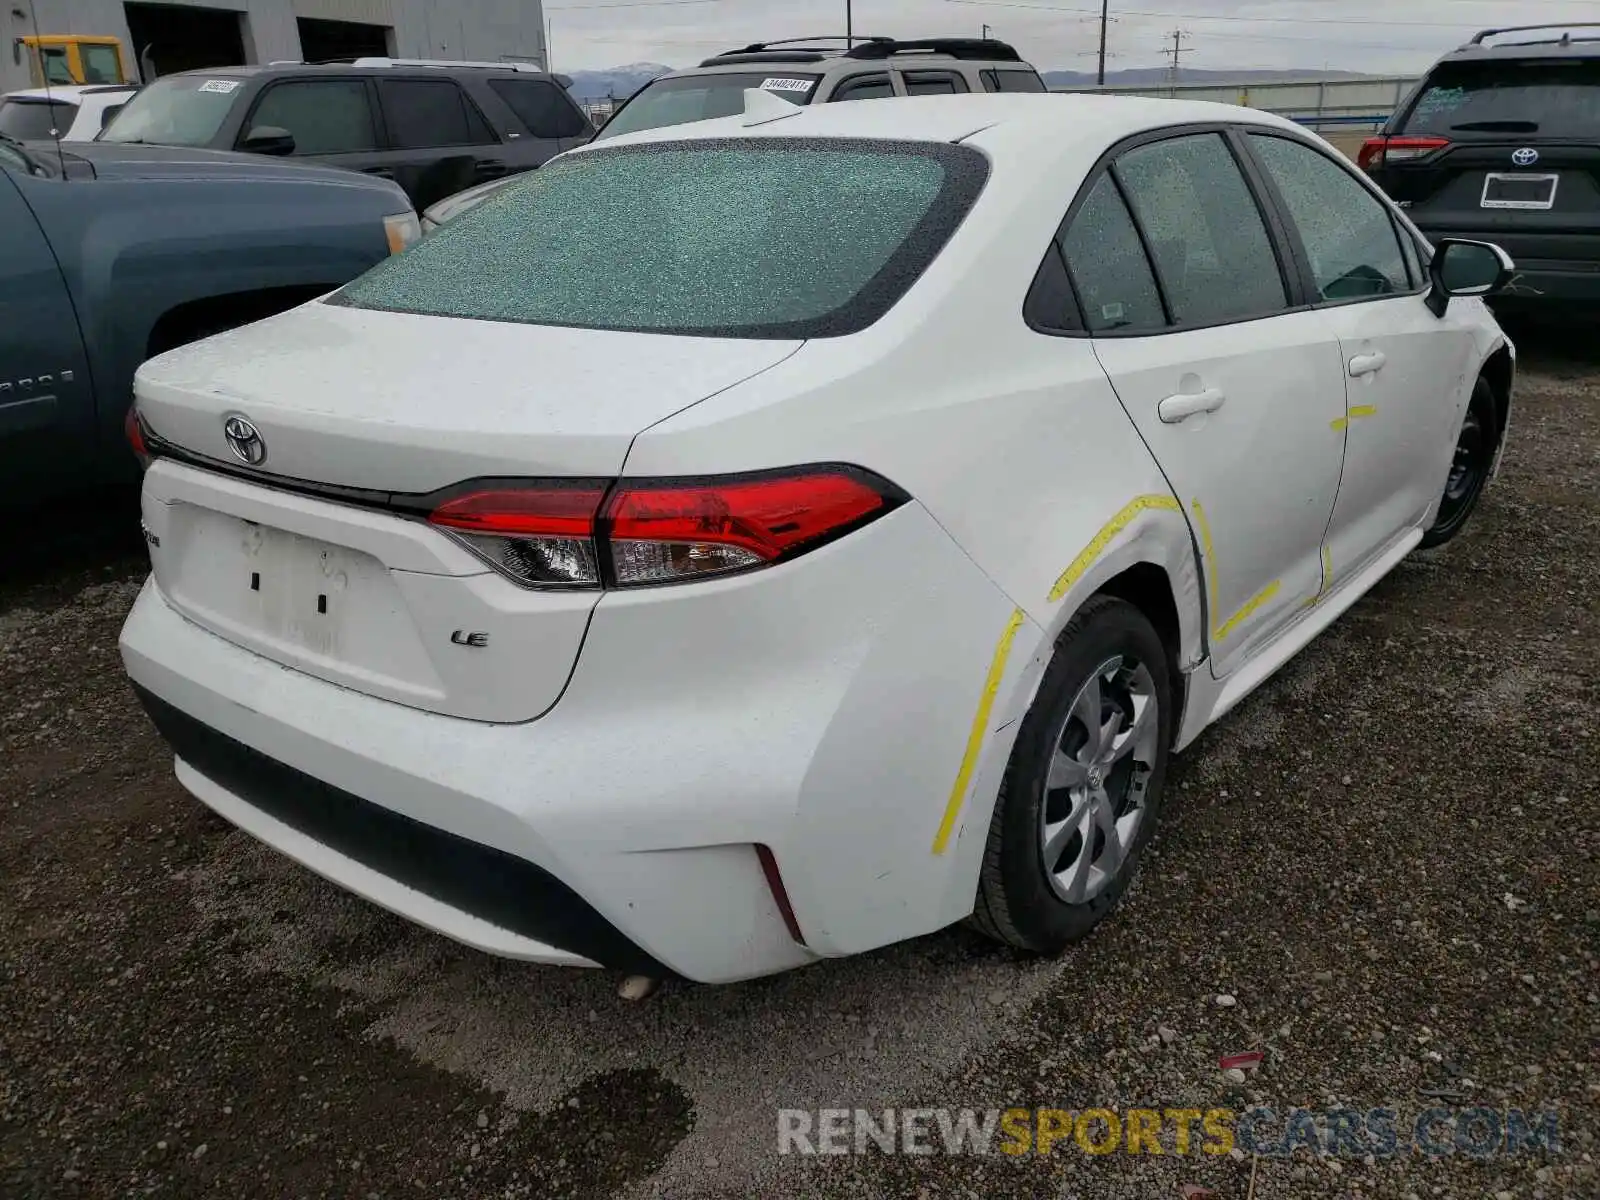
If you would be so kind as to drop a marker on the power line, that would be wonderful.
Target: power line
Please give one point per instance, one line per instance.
(1184, 16)
(1176, 52)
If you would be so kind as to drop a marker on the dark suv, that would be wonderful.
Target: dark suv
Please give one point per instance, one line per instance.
(435, 128)
(1501, 143)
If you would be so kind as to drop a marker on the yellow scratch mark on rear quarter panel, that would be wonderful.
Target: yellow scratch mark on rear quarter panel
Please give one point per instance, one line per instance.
(1096, 548)
(980, 725)
(1210, 553)
(1363, 410)
(1339, 424)
(1255, 602)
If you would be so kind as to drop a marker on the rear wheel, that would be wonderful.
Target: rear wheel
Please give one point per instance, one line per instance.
(1082, 790)
(1476, 443)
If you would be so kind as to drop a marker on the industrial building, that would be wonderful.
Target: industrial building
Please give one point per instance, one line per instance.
(158, 39)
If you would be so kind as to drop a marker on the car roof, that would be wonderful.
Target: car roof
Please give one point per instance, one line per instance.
(813, 55)
(70, 93)
(1009, 121)
(1573, 39)
(388, 68)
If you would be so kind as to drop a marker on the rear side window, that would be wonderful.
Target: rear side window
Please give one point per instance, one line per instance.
(1347, 232)
(541, 106)
(736, 238)
(27, 120)
(1013, 81)
(1211, 246)
(1545, 97)
(1108, 264)
(326, 116)
(425, 113)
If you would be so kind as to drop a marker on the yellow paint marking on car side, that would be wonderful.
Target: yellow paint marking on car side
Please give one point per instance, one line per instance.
(1327, 578)
(1255, 602)
(1096, 547)
(1355, 413)
(980, 725)
(1210, 553)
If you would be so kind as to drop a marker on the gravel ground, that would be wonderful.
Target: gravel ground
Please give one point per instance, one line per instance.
(183, 1014)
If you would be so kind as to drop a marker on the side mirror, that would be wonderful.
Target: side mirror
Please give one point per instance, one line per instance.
(108, 115)
(268, 139)
(1461, 268)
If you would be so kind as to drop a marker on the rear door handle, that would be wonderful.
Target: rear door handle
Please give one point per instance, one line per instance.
(1367, 364)
(1186, 404)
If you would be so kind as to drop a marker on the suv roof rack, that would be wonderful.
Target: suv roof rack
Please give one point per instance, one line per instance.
(954, 47)
(1566, 39)
(532, 68)
(804, 50)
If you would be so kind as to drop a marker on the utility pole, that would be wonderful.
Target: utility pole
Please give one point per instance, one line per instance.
(985, 33)
(1176, 53)
(1105, 19)
(849, 25)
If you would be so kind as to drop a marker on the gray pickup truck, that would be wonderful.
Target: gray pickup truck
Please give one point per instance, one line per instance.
(112, 254)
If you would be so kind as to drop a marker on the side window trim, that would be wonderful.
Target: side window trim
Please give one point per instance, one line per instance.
(1291, 232)
(1144, 245)
(1285, 249)
(851, 82)
(956, 78)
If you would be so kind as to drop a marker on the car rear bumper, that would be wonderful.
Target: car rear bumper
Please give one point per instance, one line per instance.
(820, 709)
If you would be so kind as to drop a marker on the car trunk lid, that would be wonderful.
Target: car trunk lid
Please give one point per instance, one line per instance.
(317, 555)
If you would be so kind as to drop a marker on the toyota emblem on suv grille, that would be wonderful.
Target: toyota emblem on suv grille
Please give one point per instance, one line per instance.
(1525, 157)
(244, 441)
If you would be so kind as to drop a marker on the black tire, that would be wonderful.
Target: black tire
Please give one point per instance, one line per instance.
(1476, 443)
(1017, 902)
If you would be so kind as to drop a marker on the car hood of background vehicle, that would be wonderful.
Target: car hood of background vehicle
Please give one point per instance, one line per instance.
(124, 160)
(396, 402)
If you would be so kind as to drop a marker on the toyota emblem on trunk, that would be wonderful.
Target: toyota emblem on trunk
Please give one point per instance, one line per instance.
(1525, 157)
(244, 441)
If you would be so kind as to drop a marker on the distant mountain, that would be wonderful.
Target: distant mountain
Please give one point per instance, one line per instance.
(589, 87)
(1148, 76)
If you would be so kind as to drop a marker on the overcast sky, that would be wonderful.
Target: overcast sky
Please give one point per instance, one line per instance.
(1349, 35)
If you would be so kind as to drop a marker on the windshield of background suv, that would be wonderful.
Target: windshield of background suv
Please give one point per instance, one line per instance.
(1542, 96)
(180, 110)
(31, 120)
(764, 238)
(686, 98)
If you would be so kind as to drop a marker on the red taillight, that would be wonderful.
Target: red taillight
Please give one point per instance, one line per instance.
(133, 427)
(541, 534)
(662, 532)
(1382, 151)
(549, 534)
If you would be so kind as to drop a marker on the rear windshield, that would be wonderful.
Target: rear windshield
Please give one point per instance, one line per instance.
(761, 238)
(686, 98)
(27, 120)
(181, 110)
(1545, 97)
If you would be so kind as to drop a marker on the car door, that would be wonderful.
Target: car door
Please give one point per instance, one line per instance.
(439, 142)
(330, 119)
(1185, 289)
(1407, 376)
(47, 415)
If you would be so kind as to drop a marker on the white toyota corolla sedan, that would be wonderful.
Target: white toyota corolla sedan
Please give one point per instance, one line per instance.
(768, 539)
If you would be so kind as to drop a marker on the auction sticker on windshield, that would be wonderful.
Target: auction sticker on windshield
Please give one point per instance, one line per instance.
(225, 86)
(786, 85)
